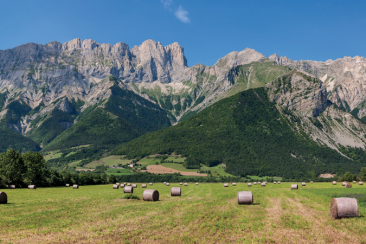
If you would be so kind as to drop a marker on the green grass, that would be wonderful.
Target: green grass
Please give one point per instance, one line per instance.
(148, 161)
(53, 155)
(207, 213)
(115, 160)
(74, 164)
(216, 170)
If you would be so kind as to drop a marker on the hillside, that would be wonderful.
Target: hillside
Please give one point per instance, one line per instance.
(248, 133)
(121, 118)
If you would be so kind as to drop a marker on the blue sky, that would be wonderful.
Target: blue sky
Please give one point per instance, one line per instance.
(207, 29)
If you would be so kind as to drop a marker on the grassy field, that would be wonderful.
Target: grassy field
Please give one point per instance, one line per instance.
(207, 213)
(216, 170)
(52, 155)
(119, 172)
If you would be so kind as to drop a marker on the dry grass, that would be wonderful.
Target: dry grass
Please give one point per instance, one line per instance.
(205, 214)
(159, 169)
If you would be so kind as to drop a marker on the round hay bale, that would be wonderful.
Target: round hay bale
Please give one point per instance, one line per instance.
(115, 186)
(254, 183)
(343, 207)
(150, 184)
(67, 185)
(344, 183)
(164, 182)
(354, 182)
(234, 184)
(167, 184)
(175, 191)
(334, 182)
(263, 184)
(226, 185)
(245, 197)
(249, 184)
(311, 182)
(278, 182)
(12, 186)
(150, 195)
(129, 184)
(185, 184)
(143, 185)
(128, 189)
(196, 183)
(32, 187)
(134, 186)
(75, 186)
(303, 184)
(294, 187)
(348, 185)
(3, 198)
(181, 183)
(274, 182)
(118, 183)
(122, 185)
(360, 183)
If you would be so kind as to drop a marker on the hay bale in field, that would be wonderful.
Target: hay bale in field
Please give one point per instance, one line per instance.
(360, 183)
(348, 185)
(303, 184)
(117, 183)
(263, 184)
(67, 185)
(249, 184)
(167, 184)
(134, 186)
(226, 185)
(129, 184)
(12, 186)
(75, 186)
(196, 183)
(334, 182)
(164, 182)
(32, 187)
(150, 184)
(274, 182)
(343, 207)
(294, 187)
(122, 185)
(311, 182)
(234, 184)
(254, 183)
(354, 182)
(150, 195)
(3, 198)
(143, 185)
(185, 184)
(175, 191)
(115, 186)
(181, 183)
(344, 183)
(278, 182)
(128, 189)
(244, 197)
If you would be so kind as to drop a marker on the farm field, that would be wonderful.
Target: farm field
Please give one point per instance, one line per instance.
(160, 169)
(216, 170)
(207, 213)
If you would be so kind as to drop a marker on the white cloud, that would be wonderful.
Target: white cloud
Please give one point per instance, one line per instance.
(182, 15)
(167, 3)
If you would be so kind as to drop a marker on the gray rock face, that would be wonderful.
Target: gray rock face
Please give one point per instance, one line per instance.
(297, 91)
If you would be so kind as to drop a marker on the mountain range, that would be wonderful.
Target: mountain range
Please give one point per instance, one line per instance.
(81, 92)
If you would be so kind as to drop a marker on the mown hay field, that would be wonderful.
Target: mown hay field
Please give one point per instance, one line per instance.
(207, 213)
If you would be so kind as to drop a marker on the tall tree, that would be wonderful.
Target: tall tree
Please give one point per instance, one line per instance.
(35, 168)
(12, 167)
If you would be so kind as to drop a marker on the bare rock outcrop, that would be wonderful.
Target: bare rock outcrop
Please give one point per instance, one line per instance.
(297, 91)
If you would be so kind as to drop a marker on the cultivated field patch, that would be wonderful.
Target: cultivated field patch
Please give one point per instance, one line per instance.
(204, 213)
(159, 169)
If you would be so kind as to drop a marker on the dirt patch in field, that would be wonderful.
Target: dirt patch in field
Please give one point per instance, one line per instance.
(159, 169)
